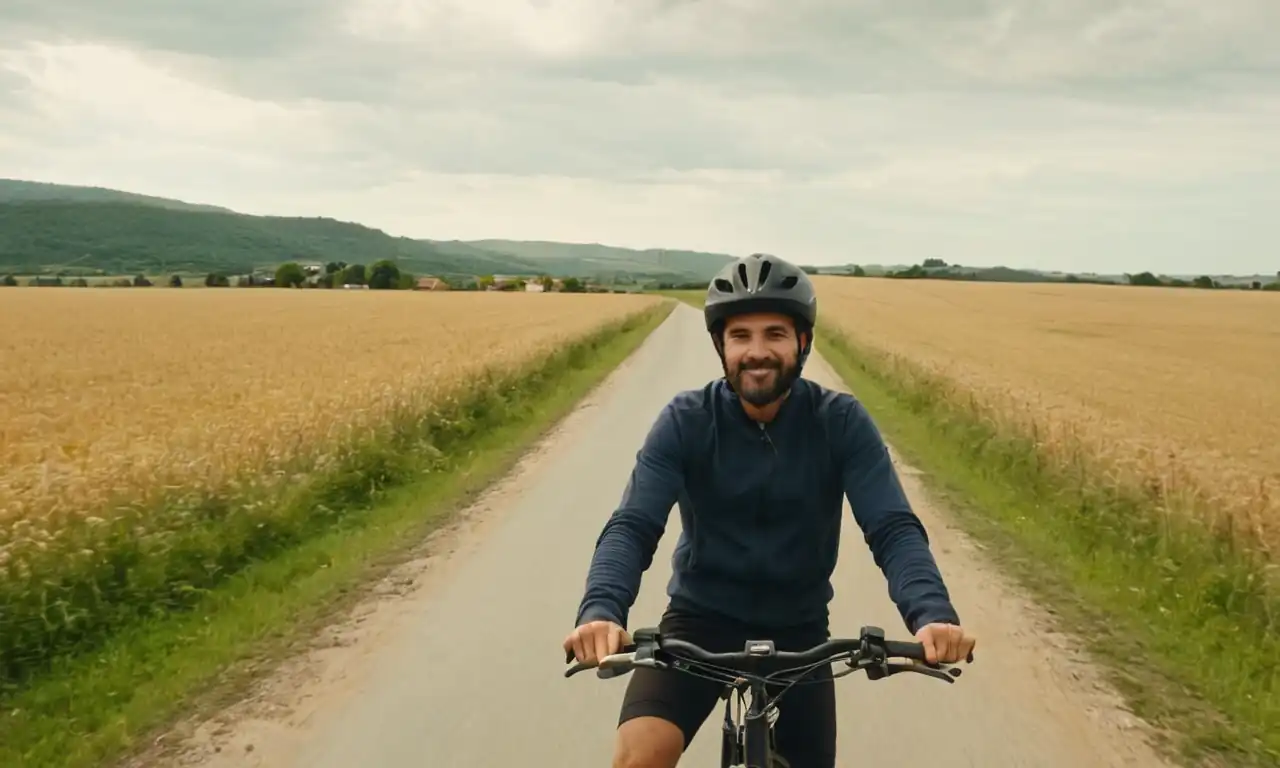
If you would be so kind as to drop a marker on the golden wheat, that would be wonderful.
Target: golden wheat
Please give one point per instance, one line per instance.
(106, 393)
(1175, 387)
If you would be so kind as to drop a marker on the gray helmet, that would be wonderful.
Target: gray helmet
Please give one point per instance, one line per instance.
(761, 283)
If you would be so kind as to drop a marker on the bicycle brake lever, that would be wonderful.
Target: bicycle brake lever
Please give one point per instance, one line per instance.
(579, 667)
(948, 675)
(568, 655)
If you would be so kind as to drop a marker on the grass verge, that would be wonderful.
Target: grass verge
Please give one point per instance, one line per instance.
(1181, 616)
(88, 708)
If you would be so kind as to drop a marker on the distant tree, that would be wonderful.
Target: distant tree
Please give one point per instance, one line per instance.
(79, 282)
(1204, 281)
(407, 282)
(1256, 285)
(484, 281)
(216, 280)
(141, 281)
(334, 267)
(1143, 278)
(573, 285)
(353, 274)
(175, 281)
(809, 270)
(914, 272)
(547, 282)
(9, 280)
(1071, 278)
(933, 263)
(290, 275)
(859, 271)
(384, 275)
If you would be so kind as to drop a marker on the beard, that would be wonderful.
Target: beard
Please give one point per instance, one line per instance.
(762, 393)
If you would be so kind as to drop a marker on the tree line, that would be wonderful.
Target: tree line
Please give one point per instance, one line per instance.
(937, 269)
(383, 274)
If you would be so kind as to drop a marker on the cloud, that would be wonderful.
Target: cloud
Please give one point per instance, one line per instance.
(1081, 135)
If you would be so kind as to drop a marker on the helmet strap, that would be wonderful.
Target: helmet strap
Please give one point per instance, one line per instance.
(717, 340)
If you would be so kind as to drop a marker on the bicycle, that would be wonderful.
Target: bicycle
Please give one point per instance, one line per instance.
(748, 741)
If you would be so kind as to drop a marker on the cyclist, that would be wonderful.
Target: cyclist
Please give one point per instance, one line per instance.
(758, 461)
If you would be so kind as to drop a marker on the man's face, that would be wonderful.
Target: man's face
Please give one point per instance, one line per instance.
(761, 353)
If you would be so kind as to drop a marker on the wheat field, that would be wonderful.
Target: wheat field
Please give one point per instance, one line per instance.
(123, 393)
(1174, 387)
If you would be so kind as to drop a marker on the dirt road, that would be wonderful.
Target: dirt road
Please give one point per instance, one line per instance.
(458, 663)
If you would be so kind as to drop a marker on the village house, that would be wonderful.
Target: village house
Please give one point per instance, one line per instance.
(535, 285)
(502, 282)
(430, 283)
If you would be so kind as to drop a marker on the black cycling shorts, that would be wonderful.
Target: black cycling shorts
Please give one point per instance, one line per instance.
(806, 727)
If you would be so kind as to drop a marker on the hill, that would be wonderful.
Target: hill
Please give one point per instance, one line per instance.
(17, 191)
(127, 238)
(53, 228)
(651, 263)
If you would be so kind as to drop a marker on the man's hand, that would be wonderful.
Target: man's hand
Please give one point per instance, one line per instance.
(945, 643)
(594, 640)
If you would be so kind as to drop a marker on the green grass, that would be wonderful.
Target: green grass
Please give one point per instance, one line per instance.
(99, 704)
(1180, 616)
(692, 298)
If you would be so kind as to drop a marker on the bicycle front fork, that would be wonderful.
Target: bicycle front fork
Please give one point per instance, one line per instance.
(731, 754)
(733, 739)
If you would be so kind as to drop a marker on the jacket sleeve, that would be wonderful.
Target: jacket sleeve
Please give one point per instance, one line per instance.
(895, 535)
(624, 549)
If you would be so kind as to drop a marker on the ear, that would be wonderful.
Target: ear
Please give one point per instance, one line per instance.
(804, 340)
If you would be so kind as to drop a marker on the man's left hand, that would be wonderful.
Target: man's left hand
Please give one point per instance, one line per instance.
(945, 643)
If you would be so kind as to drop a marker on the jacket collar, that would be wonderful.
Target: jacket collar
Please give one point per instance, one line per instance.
(730, 399)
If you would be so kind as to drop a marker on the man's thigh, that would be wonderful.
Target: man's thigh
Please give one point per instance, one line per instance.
(676, 697)
(806, 728)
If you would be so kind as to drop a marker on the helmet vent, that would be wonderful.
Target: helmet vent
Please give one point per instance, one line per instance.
(765, 266)
(789, 281)
(742, 273)
(724, 285)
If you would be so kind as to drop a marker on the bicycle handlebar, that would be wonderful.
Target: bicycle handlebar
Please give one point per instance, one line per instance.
(815, 655)
(870, 651)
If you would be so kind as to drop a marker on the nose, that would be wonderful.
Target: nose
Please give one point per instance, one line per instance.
(757, 350)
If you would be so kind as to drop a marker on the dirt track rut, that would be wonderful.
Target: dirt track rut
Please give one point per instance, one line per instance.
(458, 661)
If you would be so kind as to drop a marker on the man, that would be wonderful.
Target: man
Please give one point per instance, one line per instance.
(758, 462)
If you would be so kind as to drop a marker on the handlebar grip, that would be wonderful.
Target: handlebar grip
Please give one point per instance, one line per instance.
(907, 650)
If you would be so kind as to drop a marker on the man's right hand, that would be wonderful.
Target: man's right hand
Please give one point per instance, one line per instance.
(594, 640)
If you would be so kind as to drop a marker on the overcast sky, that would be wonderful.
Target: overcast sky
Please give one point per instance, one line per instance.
(1105, 135)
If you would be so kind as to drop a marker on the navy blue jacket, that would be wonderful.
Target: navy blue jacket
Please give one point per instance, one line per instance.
(760, 507)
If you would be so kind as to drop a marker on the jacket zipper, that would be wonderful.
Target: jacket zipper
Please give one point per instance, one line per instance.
(764, 436)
